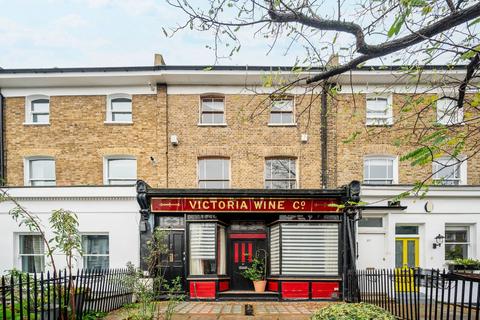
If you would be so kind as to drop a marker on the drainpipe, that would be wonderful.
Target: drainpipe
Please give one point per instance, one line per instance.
(324, 136)
(2, 141)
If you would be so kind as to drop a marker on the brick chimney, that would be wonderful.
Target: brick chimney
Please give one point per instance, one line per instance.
(158, 60)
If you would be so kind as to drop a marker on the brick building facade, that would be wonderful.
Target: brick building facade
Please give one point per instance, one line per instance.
(165, 137)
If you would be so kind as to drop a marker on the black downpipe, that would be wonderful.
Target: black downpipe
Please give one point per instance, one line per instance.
(2, 141)
(324, 137)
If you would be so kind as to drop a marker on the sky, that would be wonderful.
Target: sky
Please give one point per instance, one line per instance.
(88, 33)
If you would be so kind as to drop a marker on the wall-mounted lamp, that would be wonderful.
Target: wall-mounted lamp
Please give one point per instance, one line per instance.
(438, 241)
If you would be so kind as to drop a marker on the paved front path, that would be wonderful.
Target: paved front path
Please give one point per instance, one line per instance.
(235, 310)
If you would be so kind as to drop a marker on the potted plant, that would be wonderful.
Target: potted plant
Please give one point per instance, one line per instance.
(464, 265)
(257, 273)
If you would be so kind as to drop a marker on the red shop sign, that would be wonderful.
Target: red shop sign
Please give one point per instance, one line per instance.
(242, 205)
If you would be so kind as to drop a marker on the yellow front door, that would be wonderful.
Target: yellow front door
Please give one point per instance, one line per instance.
(406, 257)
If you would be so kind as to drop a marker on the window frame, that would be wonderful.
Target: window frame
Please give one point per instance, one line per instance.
(283, 124)
(27, 165)
(219, 180)
(110, 112)
(466, 228)
(444, 118)
(106, 169)
(29, 113)
(394, 160)
(20, 255)
(85, 255)
(201, 112)
(388, 118)
(462, 170)
(266, 180)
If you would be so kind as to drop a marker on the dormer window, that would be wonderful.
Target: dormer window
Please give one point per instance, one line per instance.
(119, 108)
(37, 109)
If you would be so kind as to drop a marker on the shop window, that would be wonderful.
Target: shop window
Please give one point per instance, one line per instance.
(96, 253)
(448, 171)
(306, 249)
(37, 109)
(40, 171)
(456, 242)
(120, 170)
(275, 249)
(213, 173)
(212, 111)
(379, 110)
(380, 170)
(448, 112)
(409, 230)
(282, 112)
(280, 174)
(202, 248)
(119, 108)
(31, 253)
(370, 222)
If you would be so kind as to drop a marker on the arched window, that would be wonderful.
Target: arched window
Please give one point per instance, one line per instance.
(119, 108)
(380, 170)
(37, 109)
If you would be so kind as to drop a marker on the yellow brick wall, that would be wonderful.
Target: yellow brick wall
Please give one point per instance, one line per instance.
(245, 140)
(351, 115)
(78, 138)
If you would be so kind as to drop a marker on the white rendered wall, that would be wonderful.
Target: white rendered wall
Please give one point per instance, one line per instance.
(112, 210)
(451, 206)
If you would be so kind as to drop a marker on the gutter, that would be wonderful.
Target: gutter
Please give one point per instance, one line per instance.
(324, 137)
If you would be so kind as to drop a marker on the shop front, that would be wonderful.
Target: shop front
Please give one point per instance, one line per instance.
(214, 235)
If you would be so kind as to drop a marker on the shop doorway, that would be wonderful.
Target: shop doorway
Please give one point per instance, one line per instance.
(172, 263)
(243, 248)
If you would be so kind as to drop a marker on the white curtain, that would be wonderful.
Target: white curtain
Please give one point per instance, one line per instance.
(202, 248)
(222, 251)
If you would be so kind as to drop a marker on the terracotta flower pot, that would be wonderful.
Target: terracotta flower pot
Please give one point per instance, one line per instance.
(260, 285)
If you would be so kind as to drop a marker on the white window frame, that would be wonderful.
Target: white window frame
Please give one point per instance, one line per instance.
(200, 110)
(19, 255)
(386, 120)
(27, 168)
(455, 117)
(283, 124)
(281, 158)
(362, 229)
(462, 180)
(109, 111)
(464, 227)
(28, 109)
(394, 160)
(82, 234)
(106, 173)
(215, 158)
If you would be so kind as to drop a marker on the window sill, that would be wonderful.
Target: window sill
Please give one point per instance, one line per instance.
(380, 125)
(211, 124)
(125, 123)
(282, 124)
(36, 124)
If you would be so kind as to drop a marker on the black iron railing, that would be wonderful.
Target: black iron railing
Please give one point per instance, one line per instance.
(46, 296)
(415, 294)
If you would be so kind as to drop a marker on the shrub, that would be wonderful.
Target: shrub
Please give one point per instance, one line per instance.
(352, 311)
